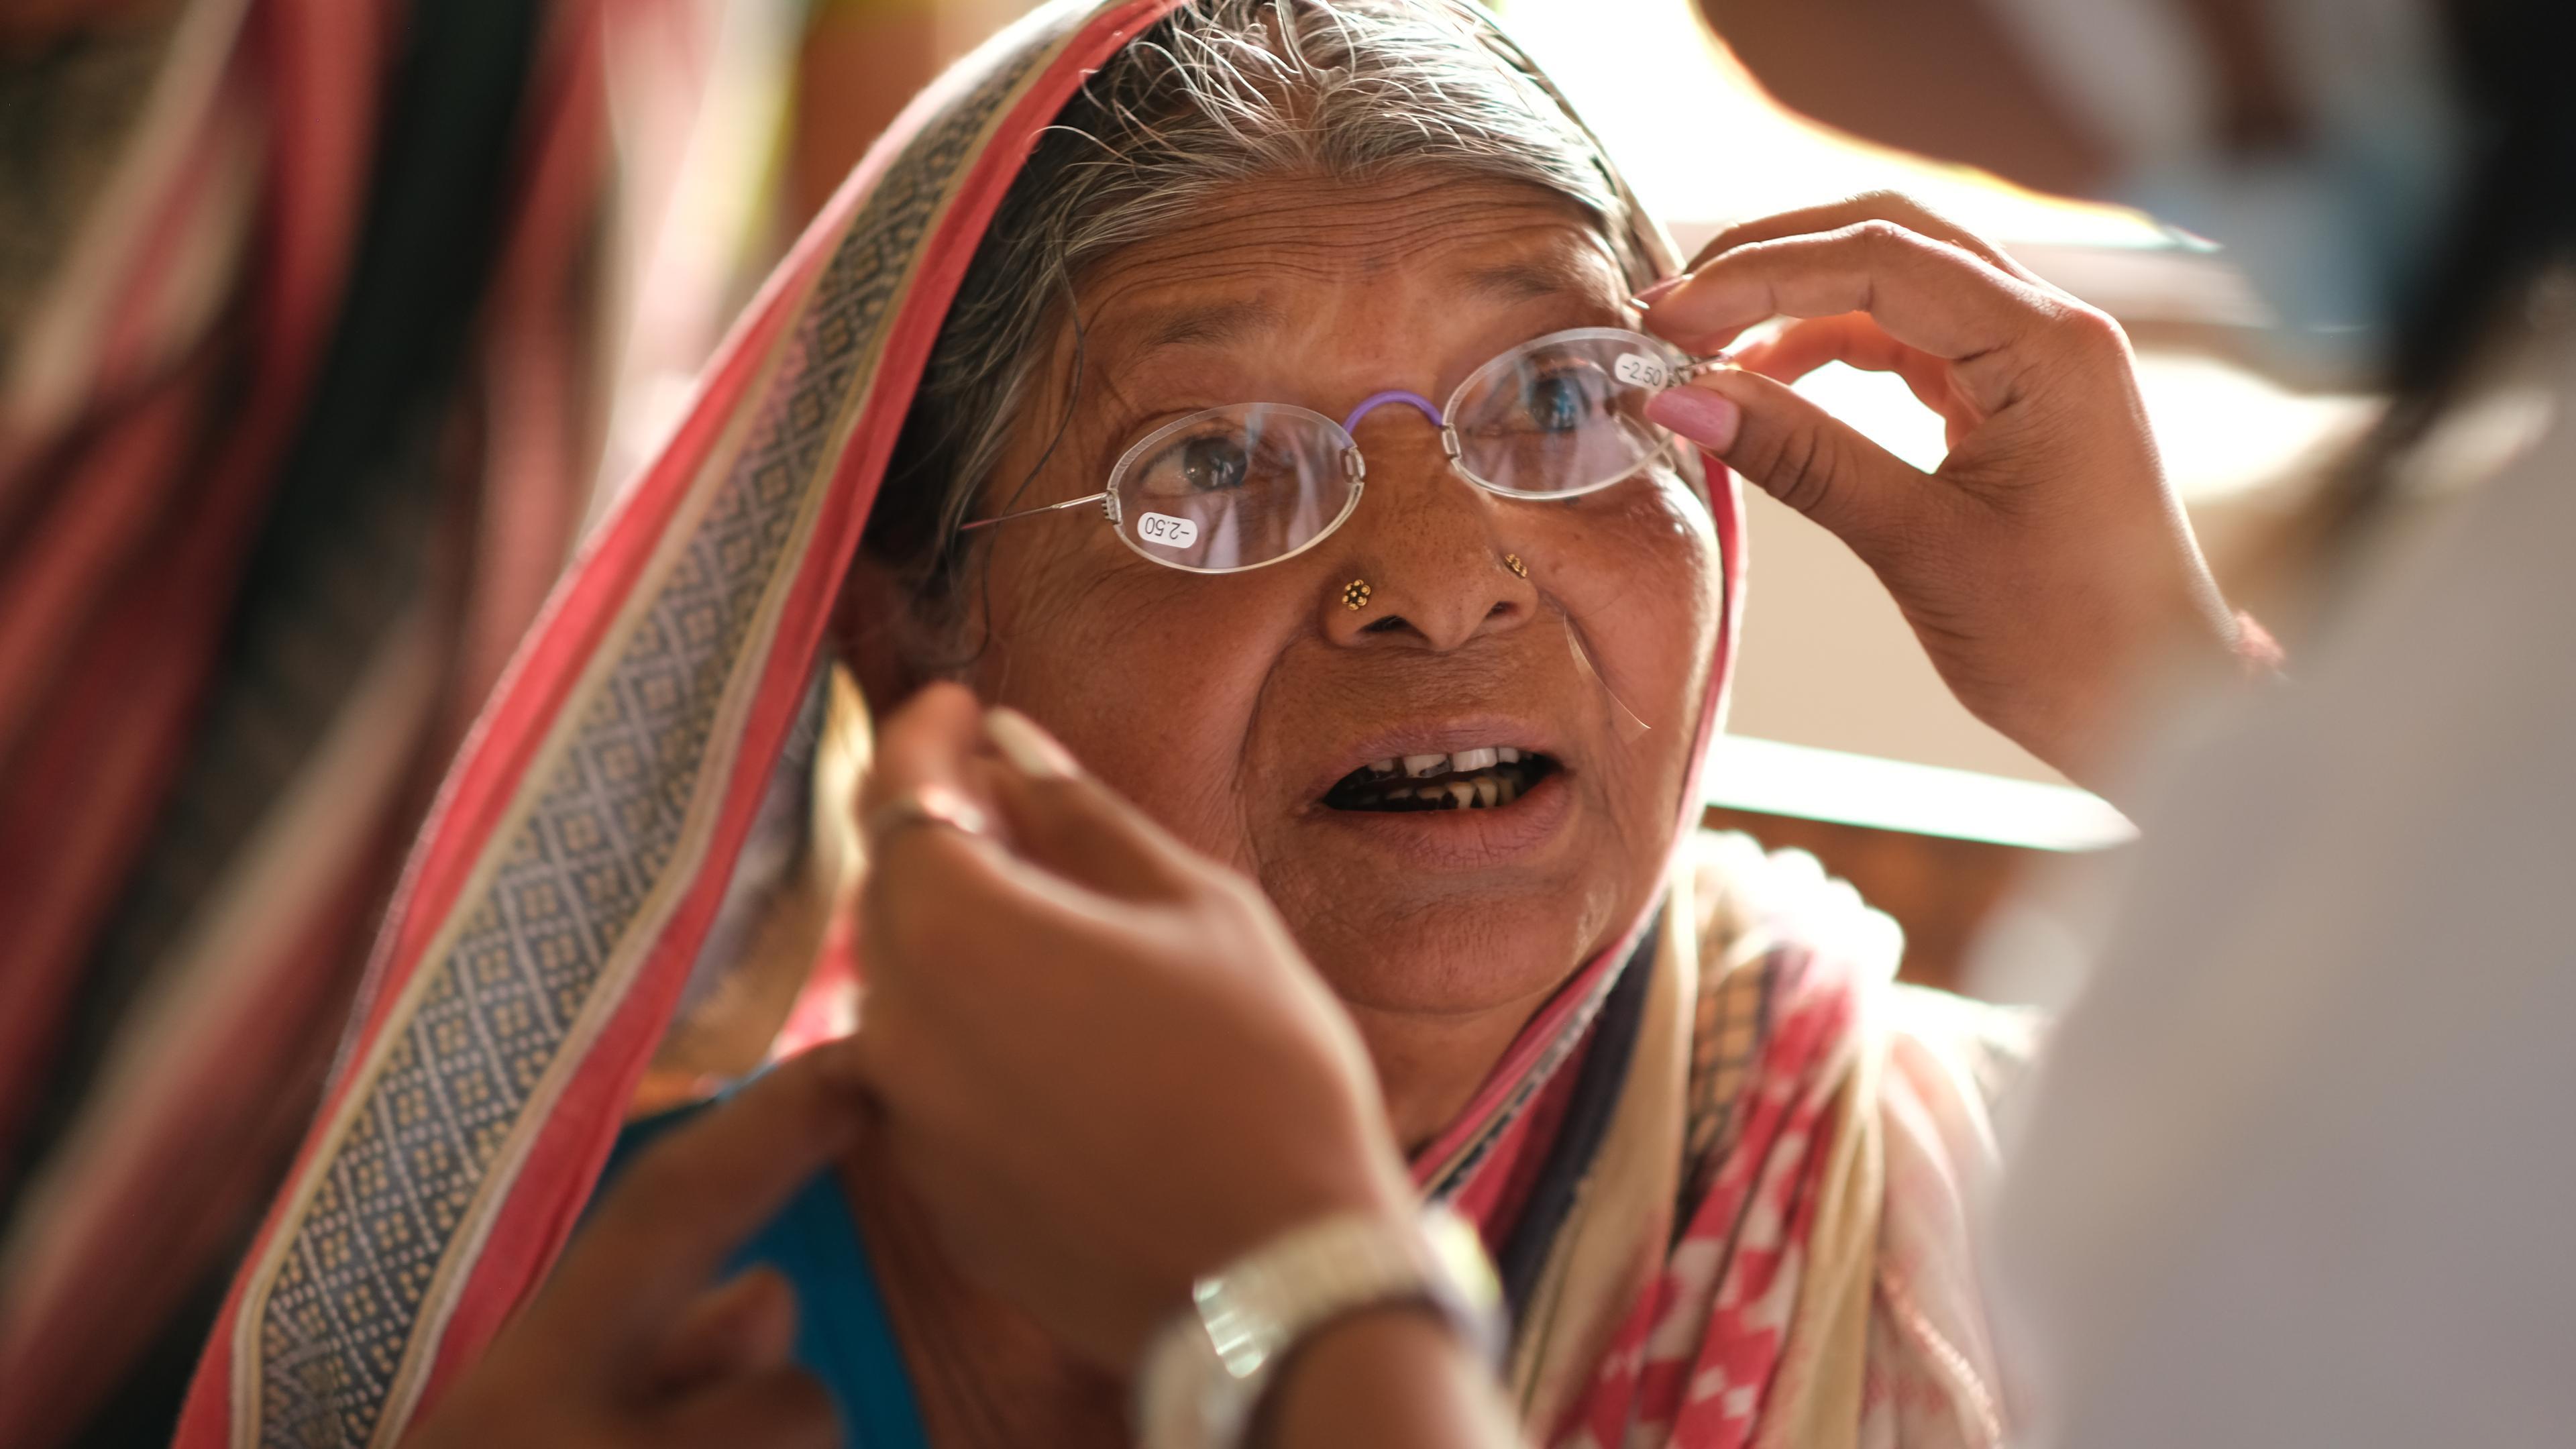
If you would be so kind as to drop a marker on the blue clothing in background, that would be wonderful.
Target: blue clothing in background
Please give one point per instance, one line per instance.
(843, 1336)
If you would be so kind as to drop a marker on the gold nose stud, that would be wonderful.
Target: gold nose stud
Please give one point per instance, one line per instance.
(1355, 594)
(1513, 562)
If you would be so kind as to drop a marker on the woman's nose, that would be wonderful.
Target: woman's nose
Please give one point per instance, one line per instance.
(1427, 547)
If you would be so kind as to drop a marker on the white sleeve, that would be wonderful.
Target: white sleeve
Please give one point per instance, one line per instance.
(2300, 1167)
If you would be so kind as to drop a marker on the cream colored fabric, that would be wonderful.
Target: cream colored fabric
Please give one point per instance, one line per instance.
(1933, 1377)
(1889, 1344)
(1816, 1403)
(1613, 1245)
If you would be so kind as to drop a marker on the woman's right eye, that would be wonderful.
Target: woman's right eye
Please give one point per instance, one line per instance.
(1563, 400)
(1214, 464)
(1208, 463)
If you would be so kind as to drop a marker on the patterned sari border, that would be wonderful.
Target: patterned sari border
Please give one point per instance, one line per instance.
(369, 1069)
(843, 323)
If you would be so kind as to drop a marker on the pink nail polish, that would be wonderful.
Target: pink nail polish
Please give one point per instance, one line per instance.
(1698, 414)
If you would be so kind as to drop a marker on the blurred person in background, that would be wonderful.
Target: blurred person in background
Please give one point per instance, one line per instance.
(2296, 1171)
(1258, 272)
(309, 315)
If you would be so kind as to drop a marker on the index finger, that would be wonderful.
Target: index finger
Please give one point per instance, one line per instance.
(1925, 293)
(1055, 817)
(1893, 206)
(675, 1216)
(929, 742)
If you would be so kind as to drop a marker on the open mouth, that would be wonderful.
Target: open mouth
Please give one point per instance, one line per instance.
(1487, 778)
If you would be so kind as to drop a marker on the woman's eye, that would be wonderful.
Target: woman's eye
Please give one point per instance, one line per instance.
(1213, 465)
(1208, 463)
(1560, 402)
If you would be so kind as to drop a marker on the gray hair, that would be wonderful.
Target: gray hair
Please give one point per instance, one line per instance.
(1220, 93)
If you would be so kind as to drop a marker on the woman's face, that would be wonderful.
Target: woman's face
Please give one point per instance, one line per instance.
(1230, 706)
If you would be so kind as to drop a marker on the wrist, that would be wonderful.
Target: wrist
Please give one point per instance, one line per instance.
(1258, 1212)
(1405, 1343)
(1208, 1371)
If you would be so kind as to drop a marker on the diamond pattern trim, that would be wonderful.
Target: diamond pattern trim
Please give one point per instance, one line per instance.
(348, 1303)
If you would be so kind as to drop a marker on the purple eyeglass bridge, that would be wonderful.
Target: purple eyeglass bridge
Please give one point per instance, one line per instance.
(1377, 400)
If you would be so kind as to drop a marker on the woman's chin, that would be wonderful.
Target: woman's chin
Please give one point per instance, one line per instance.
(1455, 912)
(1458, 956)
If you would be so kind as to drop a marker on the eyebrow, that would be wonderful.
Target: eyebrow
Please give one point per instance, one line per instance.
(1214, 324)
(1225, 324)
(1530, 279)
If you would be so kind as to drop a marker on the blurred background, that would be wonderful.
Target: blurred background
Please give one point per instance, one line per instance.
(327, 325)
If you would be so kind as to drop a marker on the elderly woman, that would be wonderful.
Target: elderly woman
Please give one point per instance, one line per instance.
(1251, 395)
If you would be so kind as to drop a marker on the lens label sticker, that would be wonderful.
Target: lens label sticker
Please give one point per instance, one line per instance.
(1164, 531)
(1638, 370)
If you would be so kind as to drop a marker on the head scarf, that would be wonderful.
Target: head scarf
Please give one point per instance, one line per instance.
(583, 842)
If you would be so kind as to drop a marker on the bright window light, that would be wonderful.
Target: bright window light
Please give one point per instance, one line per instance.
(1702, 144)
(1774, 778)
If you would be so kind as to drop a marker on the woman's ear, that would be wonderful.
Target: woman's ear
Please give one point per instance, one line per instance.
(874, 634)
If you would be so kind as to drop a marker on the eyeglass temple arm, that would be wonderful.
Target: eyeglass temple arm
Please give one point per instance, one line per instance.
(1032, 512)
(1703, 366)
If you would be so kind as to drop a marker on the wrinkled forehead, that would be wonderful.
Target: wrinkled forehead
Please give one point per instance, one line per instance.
(1270, 258)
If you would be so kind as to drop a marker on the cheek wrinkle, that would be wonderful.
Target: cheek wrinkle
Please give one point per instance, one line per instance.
(1629, 727)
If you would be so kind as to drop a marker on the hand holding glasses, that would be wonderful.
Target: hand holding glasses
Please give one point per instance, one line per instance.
(1233, 488)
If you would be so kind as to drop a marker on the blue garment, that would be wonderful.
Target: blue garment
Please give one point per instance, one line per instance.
(843, 1336)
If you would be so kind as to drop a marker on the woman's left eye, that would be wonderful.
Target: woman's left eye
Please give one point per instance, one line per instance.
(1215, 464)
(1560, 402)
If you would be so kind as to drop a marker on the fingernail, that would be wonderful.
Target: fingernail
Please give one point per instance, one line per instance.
(1032, 751)
(1696, 413)
(1646, 298)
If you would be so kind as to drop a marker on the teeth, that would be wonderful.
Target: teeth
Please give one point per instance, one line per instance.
(1476, 779)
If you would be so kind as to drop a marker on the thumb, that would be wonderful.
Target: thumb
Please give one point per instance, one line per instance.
(1800, 454)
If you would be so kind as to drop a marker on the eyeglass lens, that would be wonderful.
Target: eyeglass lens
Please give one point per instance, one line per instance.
(1234, 488)
(1562, 416)
(1238, 487)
